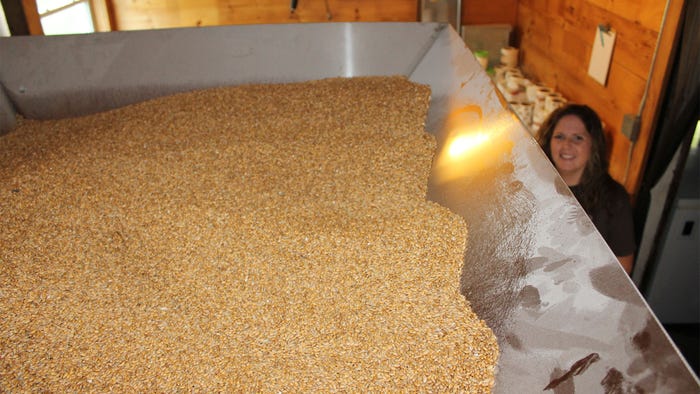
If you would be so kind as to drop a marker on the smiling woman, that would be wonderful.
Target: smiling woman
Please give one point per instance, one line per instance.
(570, 146)
(573, 139)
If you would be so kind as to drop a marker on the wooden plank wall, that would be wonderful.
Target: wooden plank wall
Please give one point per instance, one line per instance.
(154, 14)
(556, 40)
(484, 12)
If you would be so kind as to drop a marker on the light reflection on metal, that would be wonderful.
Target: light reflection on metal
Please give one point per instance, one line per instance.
(472, 144)
(464, 143)
(349, 50)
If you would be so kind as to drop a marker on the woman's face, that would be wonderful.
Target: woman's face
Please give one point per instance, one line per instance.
(570, 147)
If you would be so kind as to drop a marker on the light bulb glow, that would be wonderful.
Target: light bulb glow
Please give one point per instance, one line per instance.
(474, 146)
(464, 143)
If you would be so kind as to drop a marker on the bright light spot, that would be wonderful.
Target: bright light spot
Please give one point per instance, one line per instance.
(474, 146)
(75, 18)
(466, 142)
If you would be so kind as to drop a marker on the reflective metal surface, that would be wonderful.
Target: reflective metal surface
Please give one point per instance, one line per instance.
(567, 316)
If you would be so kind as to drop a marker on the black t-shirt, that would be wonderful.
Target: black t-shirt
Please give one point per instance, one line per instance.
(613, 218)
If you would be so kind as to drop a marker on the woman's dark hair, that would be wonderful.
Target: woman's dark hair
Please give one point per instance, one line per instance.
(596, 172)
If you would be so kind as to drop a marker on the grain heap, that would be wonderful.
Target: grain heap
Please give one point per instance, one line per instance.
(260, 237)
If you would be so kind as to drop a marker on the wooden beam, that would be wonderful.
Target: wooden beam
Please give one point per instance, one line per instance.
(102, 15)
(32, 15)
(668, 44)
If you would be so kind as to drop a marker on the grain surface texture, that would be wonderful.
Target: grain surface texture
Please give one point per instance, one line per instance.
(267, 238)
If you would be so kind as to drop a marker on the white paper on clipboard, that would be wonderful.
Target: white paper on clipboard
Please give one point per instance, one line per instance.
(603, 44)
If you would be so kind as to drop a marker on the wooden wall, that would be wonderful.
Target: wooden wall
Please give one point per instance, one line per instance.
(483, 12)
(153, 14)
(556, 39)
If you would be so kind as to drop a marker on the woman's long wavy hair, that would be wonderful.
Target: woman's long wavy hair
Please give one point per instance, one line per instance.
(596, 172)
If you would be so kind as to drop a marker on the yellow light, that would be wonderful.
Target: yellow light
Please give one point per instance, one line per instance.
(464, 143)
(473, 146)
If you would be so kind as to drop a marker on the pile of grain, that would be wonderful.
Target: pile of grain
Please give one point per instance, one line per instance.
(263, 237)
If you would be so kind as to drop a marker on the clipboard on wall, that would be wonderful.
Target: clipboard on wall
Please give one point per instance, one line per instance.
(603, 44)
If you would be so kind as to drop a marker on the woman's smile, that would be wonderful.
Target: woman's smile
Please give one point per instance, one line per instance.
(570, 148)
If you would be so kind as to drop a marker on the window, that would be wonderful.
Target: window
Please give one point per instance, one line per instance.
(65, 16)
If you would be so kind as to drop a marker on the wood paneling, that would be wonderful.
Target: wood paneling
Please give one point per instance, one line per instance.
(645, 13)
(479, 12)
(556, 39)
(154, 14)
